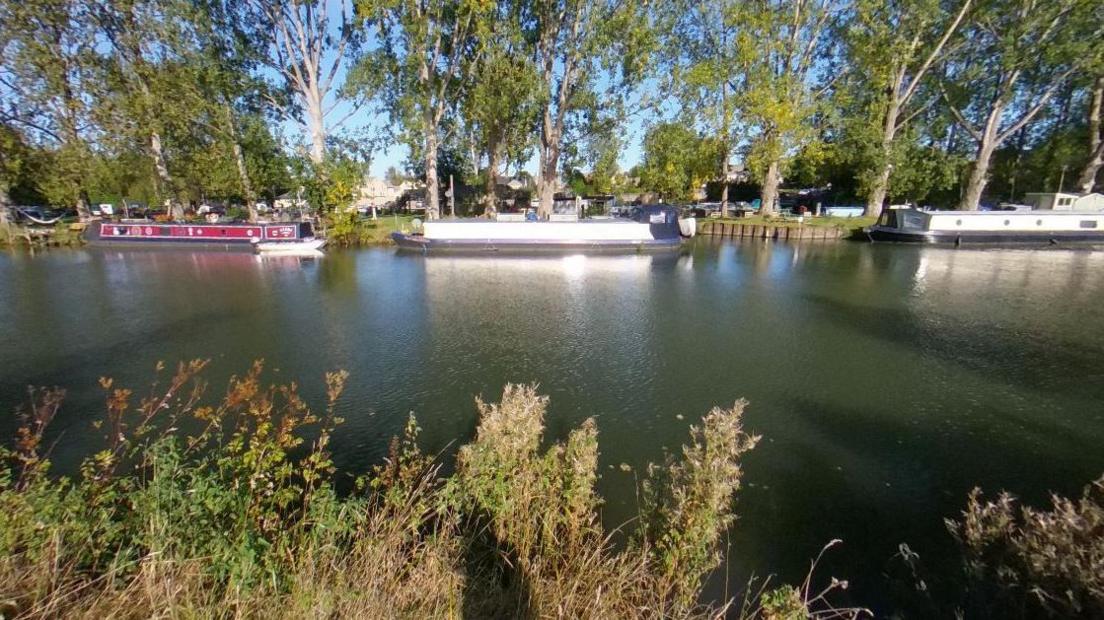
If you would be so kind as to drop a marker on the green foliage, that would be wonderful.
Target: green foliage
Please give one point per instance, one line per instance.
(501, 106)
(677, 161)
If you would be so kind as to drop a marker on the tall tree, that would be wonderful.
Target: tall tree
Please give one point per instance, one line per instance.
(148, 80)
(576, 44)
(893, 46)
(47, 53)
(228, 50)
(1019, 54)
(705, 74)
(307, 51)
(784, 50)
(423, 48)
(501, 107)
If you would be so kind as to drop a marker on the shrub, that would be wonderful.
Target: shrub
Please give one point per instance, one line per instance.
(1022, 560)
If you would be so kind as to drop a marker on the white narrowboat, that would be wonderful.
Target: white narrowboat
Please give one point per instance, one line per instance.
(1039, 226)
(648, 227)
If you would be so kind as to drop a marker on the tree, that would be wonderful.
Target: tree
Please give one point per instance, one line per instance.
(394, 177)
(705, 73)
(422, 50)
(783, 51)
(150, 88)
(307, 55)
(576, 44)
(893, 46)
(677, 161)
(501, 106)
(227, 52)
(47, 53)
(1018, 55)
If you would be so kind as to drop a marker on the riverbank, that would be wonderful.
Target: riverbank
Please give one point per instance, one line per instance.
(351, 230)
(785, 228)
(37, 237)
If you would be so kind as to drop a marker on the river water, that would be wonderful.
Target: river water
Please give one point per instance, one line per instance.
(886, 381)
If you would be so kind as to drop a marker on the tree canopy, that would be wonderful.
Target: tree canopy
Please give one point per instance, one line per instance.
(177, 102)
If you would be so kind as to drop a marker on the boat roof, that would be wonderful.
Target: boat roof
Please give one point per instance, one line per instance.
(1033, 212)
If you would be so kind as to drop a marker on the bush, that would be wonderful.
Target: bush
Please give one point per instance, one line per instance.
(1023, 561)
(238, 515)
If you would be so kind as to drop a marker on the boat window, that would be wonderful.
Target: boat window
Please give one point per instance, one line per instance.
(1038, 222)
(1007, 222)
(958, 222)
(912, 219)
(889, 219)
(1088, 223)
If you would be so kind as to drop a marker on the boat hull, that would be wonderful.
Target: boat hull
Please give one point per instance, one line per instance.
(879, 234)
(420, 243)
(290, 247)
(222, 237)
(648, 228)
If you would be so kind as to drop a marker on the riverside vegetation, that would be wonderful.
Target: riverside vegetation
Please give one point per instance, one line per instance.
(201, 507)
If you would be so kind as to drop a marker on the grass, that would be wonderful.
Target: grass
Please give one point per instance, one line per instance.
(238, 516)
(352, 230)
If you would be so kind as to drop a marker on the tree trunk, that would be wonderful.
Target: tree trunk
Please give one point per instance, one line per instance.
(84, 206)
(724, 138)
(547, 191)
(549, 163)
(880, 188)
(1096, 140)
(317, 126)
(5, 204)
(239, 159)
(769, 194)
(73, 140)
(988, 139)
(489, 187)
(724, 183)
(432, 199)
(979, 175)
(164, 179)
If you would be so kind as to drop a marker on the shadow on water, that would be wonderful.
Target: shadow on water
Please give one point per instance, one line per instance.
(1013, 357)
(876, 479)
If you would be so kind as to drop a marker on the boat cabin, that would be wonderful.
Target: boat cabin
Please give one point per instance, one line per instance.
(1062, 201)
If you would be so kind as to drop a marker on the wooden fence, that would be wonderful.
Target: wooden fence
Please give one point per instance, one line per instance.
(770, 231)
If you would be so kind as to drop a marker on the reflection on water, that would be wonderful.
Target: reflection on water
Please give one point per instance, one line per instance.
(886, 380)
